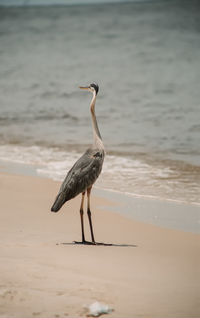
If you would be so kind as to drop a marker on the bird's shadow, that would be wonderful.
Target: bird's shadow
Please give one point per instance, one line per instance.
(97, 244)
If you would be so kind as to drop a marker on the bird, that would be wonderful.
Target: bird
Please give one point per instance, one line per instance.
(84, 172)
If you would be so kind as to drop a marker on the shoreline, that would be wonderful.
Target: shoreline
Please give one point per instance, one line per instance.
(149, 271)
(142, 178)
(160, 212)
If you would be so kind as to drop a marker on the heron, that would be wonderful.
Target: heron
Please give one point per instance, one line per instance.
(84, 172)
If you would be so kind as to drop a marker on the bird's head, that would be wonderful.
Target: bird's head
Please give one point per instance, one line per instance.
(92, 88)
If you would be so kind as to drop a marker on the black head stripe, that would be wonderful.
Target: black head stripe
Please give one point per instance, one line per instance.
(95, 86)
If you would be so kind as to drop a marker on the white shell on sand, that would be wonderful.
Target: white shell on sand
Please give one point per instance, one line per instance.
(97, 309)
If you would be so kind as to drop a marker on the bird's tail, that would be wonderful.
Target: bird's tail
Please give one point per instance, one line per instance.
(59, 201)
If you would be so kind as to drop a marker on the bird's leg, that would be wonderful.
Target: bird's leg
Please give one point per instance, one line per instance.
(89, 214)
(81, 214)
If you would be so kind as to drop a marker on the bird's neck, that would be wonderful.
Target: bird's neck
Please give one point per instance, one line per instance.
(96, 133)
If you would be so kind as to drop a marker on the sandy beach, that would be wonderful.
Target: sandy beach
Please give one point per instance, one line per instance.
(149, 272)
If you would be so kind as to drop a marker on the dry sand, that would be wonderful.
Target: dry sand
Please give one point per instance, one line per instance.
(42, 274)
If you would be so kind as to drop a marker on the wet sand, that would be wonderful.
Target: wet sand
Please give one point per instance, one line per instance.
(149, 271)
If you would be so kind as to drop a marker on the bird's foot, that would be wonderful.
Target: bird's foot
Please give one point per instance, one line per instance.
(85, 243)
(93, 243)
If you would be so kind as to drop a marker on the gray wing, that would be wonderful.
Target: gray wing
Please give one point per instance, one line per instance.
(81, 176)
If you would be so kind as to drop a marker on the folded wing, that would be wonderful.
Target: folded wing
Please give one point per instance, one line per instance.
(81, 176)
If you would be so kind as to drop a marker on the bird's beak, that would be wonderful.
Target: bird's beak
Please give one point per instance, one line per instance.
(84, 87)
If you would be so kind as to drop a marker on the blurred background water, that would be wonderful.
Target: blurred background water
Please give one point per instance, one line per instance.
(145, 56)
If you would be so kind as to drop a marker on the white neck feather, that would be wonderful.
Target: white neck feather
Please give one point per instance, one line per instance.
(96, 133)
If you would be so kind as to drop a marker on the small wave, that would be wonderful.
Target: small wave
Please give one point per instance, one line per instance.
(26, 3)
(53, 116)
(43, 116)
(6, 120)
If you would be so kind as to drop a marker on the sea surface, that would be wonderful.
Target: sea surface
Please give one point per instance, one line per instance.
(145, 56)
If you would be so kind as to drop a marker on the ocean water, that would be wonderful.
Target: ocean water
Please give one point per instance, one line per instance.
(146, 59)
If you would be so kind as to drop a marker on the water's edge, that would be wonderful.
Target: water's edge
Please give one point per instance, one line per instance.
(172, 215)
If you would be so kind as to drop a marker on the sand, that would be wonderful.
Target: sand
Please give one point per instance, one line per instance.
(151, 271)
